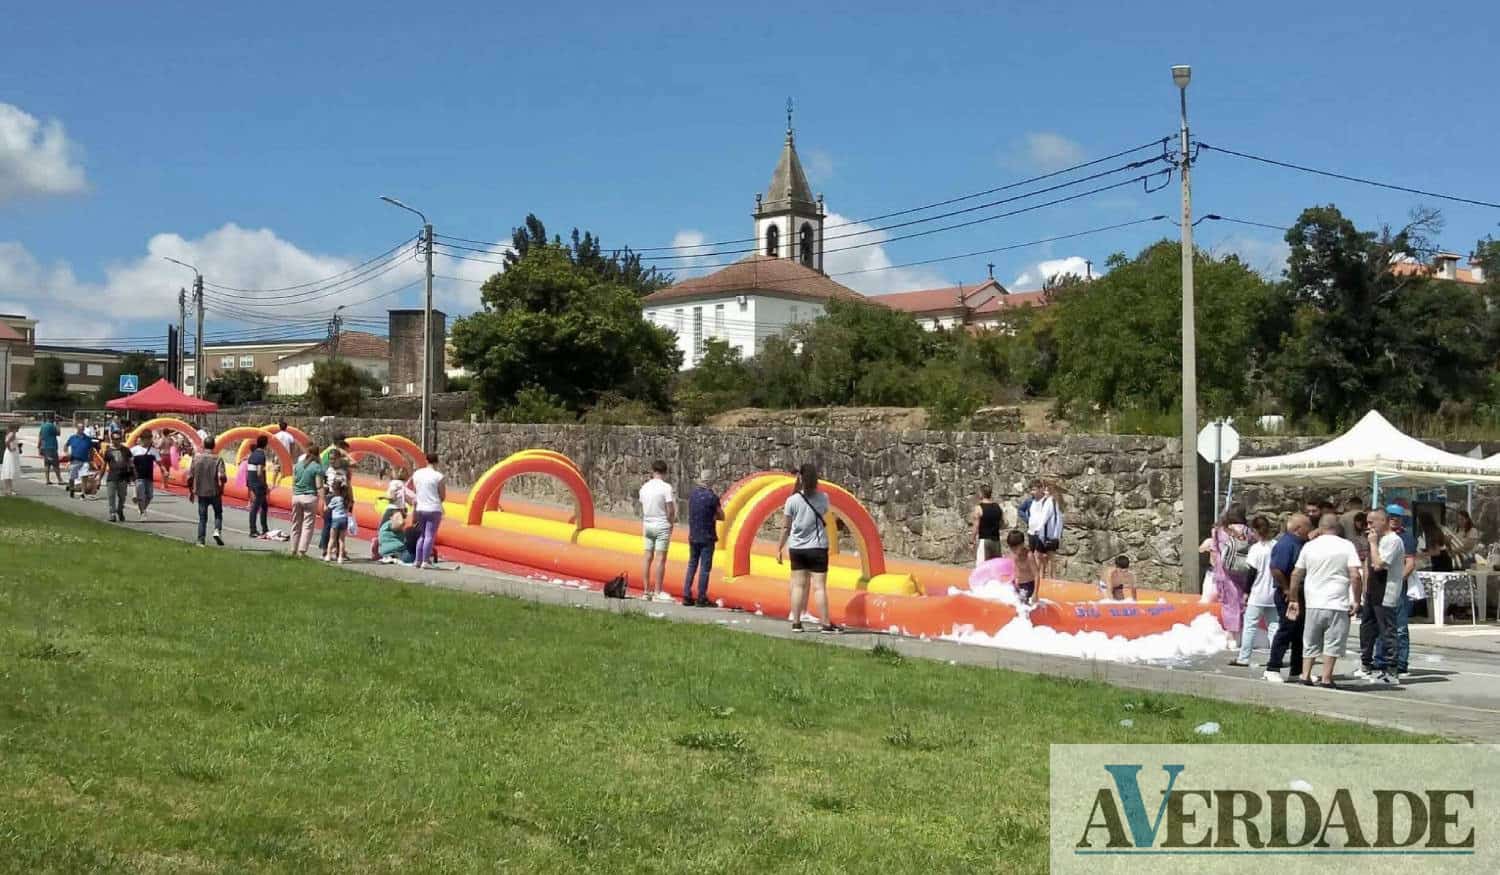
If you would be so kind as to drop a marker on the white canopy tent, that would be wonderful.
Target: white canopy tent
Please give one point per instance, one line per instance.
(1373, 453)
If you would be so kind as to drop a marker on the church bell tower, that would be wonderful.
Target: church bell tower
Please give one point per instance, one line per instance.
(788, 221)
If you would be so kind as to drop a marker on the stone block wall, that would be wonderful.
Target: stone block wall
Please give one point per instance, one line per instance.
(1123, 492)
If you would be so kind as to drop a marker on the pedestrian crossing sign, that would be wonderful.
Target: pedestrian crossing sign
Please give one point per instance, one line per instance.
(129, 383)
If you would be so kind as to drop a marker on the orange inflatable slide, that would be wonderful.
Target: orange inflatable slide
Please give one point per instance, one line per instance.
(866, 590)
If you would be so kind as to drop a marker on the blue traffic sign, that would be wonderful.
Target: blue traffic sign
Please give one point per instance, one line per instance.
(129, 383)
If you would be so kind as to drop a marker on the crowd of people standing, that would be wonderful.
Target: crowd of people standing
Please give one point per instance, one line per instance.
(1305, 583)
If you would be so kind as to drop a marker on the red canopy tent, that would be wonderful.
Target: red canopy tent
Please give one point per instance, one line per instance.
(162, 397)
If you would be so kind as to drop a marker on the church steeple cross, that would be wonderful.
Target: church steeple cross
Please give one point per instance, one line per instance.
(789, 108)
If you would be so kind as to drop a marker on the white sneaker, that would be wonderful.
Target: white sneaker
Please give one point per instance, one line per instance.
(663, 597)
(1274, 677)
(1362, 674)
(1384, 680)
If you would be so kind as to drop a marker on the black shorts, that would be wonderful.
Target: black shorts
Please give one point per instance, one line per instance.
(1040, 546)
(1026, 590)
(49, 460)
(815, 561)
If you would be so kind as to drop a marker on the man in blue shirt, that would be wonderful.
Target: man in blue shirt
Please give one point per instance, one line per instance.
(1284, 555)
(704, 512)
(80, 448)
(46, 443)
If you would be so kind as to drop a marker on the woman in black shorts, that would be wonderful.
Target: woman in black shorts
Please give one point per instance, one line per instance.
(805, 538)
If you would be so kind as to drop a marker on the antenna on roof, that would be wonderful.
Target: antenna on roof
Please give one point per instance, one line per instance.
(991, 266)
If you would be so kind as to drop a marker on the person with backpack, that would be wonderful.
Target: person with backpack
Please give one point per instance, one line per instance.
(804, 537)
(143, 457)
(1232, 571)
(118, 472)
(206, 479)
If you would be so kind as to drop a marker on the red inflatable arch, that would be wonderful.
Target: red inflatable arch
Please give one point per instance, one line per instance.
(485, 493)
(166, 423)
(769, 503)
(246, 435)
(407, 447)
(360, 447)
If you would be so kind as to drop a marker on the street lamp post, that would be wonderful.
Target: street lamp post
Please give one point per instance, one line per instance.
(1181, 74)
(198, 337)
(426, 424)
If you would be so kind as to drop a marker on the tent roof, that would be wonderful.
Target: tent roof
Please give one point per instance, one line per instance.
(162, 397)
(1372, 447)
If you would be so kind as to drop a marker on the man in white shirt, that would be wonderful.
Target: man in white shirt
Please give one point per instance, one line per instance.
(1377, 621)
(658, 515)
(1327, 569)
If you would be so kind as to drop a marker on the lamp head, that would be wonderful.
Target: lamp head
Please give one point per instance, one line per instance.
(1181, 73)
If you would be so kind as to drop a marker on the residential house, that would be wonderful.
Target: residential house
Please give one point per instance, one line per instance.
(249, 355)
(366, 352)
(981, 305)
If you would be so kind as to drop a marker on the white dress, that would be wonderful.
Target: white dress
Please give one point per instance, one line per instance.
(10, 467)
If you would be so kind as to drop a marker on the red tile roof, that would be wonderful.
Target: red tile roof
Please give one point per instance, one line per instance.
(758, 274)
(1414, 268)
(945, 299)
(10, 335)
(352, 344)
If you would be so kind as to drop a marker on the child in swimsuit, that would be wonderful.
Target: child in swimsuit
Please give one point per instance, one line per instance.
(1119, 577)
(1026, 567)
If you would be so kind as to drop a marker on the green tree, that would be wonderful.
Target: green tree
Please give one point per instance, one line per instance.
(337, 388)
(778, 379)
(1366, 336)
(142, 364)
(840, 346)
(552, 324)
(586, 251)
(235, 388)
(1118, 338)
(47, 387)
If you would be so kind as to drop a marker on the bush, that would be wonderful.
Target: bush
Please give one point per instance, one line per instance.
(615, 409)
(535, 405)
(950, 394)
(336, 387)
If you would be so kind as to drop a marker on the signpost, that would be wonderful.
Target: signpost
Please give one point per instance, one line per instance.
(129, 383)
(1218, 442)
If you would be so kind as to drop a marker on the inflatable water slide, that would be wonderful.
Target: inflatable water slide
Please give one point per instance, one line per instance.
(866, 589)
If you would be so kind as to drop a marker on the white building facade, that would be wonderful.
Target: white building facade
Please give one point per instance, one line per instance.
(766, 293)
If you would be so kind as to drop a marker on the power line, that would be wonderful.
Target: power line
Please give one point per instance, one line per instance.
(1134, 165)
(356, 267)
(1142, 178)
(942, 203)
(370, 273)
(1348, 178)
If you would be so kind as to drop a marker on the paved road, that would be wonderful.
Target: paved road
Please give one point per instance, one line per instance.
(1454, 690)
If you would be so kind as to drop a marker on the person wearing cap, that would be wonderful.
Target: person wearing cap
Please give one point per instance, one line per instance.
(1401, 523)
(704, 513)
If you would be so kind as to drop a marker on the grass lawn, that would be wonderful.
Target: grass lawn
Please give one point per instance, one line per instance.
(170, 709)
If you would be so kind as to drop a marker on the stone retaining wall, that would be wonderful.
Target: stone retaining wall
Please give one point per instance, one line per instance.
(1124, 492)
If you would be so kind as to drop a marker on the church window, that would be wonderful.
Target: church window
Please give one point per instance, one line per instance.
(807, 245)
(773, 240)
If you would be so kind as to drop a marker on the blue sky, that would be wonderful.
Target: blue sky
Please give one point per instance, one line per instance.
(258, 141)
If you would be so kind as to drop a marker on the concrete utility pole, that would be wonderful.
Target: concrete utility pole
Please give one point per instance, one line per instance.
(335, 325)
(428, 437)
(181, 350)
(198, 340)
(1191, 581)
(198, 375)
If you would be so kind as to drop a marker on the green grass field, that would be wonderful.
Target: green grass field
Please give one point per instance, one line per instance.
(170, 709)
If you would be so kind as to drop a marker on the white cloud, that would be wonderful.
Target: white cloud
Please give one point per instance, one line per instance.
(872, 260)
(459, 297)
(1266, 257)
(1035, 276)
(694, 246)
(137, 297)
(36, 158)
(1046, 151)
(819, 166)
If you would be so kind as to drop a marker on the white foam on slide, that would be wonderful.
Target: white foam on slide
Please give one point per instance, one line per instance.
(1179, 645)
